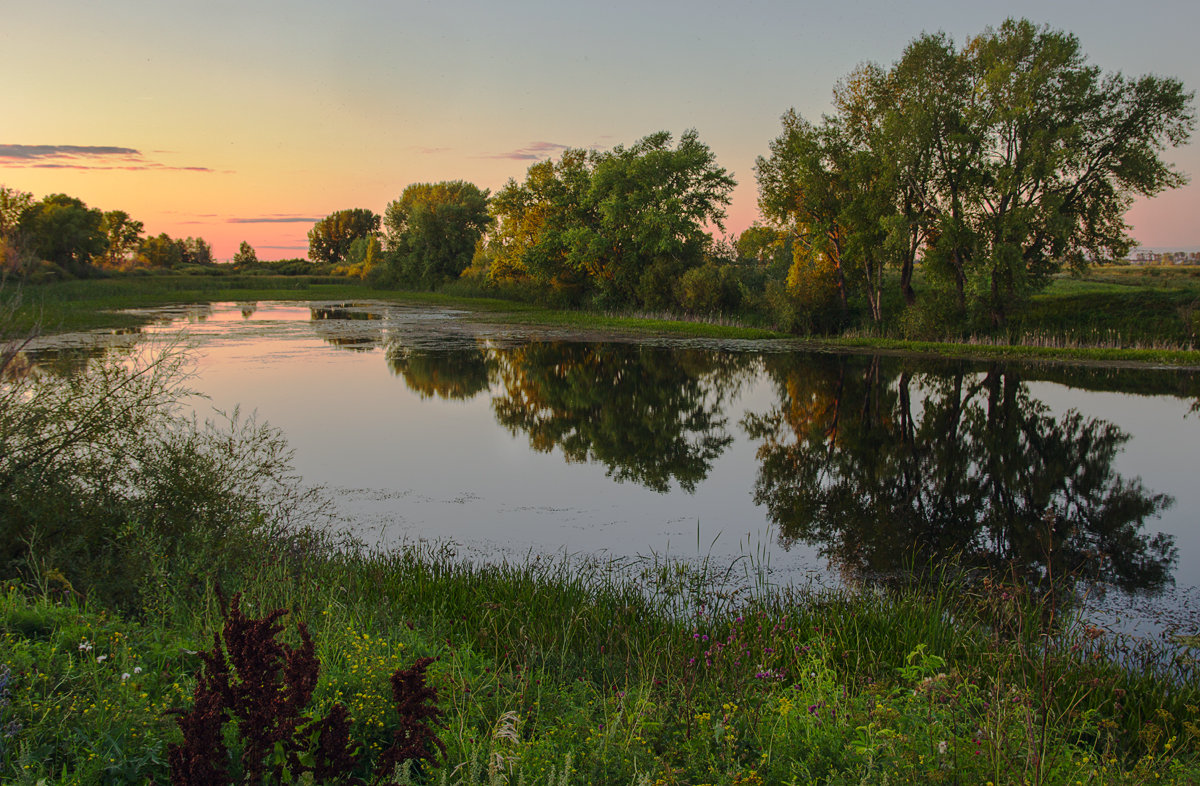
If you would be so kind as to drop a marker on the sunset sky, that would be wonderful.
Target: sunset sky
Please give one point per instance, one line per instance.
(250, 120)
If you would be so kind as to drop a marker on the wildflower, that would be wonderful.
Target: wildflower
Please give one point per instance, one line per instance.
(124, 676)
(942, 747)
(137, 669)
(101, 658)
(85, 646)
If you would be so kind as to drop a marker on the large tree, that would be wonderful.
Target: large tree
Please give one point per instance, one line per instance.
(1001, 163)
(330, 238)
(623, 224)
(432, 231)
(246, 256)
(12, 204)
(63, 230)
(123, 234)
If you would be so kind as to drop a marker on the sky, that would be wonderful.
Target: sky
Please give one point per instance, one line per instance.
(250, 120)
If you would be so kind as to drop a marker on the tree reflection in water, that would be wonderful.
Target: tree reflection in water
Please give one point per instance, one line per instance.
(647, 414)
(456, 374)
(979, 470)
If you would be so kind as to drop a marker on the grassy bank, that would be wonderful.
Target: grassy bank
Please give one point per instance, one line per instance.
(1112, 315)
(556, 671)
(87, 305)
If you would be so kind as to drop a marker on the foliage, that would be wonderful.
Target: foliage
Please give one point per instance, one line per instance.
(414, 738)
(330, 238)
(264, 686)
(123, 234)
(1002, 162)
(622, 225)
(108, 485)
(365, 254)
(13, 203)
(160, 251)
(432, 231)
(63, 230)
(245, 256)
(575, 671)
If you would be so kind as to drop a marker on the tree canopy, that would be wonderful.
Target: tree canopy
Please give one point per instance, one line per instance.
(622, 225)
(330, 238)
(1000, 163)
(65, 231)
(123, 235)
(432, 231)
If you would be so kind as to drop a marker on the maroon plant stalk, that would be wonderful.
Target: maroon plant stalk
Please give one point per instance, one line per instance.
(416, 703)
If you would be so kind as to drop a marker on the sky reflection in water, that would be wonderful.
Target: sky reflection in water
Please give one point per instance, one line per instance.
(505, 440)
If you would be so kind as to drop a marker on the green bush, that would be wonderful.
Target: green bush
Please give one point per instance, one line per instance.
(108, 485)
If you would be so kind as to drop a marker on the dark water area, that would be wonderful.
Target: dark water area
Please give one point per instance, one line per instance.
(822, 467)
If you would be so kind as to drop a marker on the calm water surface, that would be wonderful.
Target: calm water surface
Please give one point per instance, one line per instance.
(829, 467)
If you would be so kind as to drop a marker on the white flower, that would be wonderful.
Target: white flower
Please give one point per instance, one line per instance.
(125, 676)
(85, 646)
(100, 658)
(942, 747)
(137, 669)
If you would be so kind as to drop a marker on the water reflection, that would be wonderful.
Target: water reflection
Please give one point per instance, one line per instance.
(872, 462)
(648, 415)
(447, 374)
(977, 468)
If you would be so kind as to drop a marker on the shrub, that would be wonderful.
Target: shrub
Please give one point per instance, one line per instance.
(107, 482)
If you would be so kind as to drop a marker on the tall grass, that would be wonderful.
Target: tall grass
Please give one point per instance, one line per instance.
(602, 664)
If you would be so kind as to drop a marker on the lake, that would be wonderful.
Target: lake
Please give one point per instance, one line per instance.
(834, 468)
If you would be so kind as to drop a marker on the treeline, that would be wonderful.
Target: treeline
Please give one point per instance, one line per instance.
(937, 197)
(60, 237)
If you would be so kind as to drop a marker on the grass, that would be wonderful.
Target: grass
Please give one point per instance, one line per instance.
(639, 672)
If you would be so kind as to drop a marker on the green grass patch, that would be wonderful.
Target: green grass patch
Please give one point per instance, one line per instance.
(616, 673)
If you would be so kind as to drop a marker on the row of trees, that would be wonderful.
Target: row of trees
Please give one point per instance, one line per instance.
(987, 167)
(61, 235)
(984, 168)
(619, 226)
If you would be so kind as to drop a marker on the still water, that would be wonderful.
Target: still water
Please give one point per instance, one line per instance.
(425, 424)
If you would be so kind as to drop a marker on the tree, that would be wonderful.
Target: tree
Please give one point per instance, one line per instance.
(536, 220)
(652, 205)
(1000, 163)
(245, 255)
(802, 186)
(432, 231)
(330, 238)
(623, 225)
(195, 251)
(160, 251)
(63, 230)
(1063, 152)
(123, 235)
(12, 204)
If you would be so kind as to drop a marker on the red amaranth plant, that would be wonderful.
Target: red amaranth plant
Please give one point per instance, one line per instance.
(263, 686)
(414, 737)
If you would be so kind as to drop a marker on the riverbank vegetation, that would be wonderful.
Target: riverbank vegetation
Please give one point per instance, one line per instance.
(129, 527)
(967, 193)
